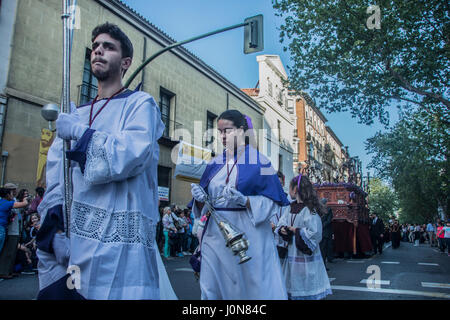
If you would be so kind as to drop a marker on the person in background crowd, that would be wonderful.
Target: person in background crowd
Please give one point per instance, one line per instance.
(440, 237)
(160, 233)
(411, 230)
(431, 231)
(169, 228)
(395, 234)
(387, 233)
(9, 229)
(446, 230)
(326, 245)
(183, 233)
(416, 235)
(177, 237)
(37, 200)
(423, 234)
(376, 233)
(404, 233)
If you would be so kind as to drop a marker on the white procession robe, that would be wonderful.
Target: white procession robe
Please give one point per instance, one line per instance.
(306, 276)
(115, 201)
(221, 277)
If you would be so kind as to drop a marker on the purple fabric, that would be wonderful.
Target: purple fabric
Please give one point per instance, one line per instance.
(34, 204)
(250, 181)
(249, 122)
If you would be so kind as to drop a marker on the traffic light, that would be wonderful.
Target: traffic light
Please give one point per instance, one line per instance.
(254, 34)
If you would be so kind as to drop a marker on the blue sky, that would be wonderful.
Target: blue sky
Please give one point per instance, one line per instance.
(183, 19)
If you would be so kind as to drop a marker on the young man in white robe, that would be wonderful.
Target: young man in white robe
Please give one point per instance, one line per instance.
(115, 199)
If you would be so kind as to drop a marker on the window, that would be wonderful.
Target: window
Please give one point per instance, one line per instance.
(164, 105)
(280, 163)
(279, 130)
(210, 118)
(270, 87)
(89, 86)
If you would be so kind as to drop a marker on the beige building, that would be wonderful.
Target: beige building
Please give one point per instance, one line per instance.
(319, 152)
(277, 139)
(191, 94)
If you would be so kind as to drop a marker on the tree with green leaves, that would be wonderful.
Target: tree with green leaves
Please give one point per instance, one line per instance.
(413, 157)
(382, 199)
(346, 63)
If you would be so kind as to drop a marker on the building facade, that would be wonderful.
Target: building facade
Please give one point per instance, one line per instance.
(191, 94)
(319, 152)
(277, 138)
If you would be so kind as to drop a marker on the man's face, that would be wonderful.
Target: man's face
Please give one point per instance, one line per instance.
(106, 58)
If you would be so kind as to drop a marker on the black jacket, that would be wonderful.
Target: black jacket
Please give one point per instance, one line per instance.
(376, 229)
(327, 229)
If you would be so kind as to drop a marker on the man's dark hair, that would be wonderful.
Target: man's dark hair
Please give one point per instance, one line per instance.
(117, 34)
(40, 191)
(4, 192)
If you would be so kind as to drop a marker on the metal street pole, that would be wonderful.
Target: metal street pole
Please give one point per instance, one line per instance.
(65, 107)
(253, 42)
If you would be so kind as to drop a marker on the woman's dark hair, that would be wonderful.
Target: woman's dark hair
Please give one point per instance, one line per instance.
(4, 192)
(40, 191)
(307, 194)
(21, 195)
(117, 34)
(239, 121)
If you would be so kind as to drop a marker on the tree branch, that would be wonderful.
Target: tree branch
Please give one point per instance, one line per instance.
(405, 84)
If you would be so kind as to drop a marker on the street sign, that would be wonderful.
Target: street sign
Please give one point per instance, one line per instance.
(163, 193)
(254, 34)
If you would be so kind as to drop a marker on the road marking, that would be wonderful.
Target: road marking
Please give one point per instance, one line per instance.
(428, 264)
(387, 246)
(436, 285)
(184, 269)
(390, 262)
(331, 279)
(383, 282)
(394, 291)
(355, 261)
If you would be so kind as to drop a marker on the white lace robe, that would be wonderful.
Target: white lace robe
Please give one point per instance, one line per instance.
(221, 277)
(115, 202)
(305, 275)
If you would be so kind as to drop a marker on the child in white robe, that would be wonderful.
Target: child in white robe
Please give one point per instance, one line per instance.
(304, 270)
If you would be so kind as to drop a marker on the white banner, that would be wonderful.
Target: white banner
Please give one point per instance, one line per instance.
(191, 162)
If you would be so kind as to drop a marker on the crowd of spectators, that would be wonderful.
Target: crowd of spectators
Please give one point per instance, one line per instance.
(177, 232)
(19, 223)
(433, 234)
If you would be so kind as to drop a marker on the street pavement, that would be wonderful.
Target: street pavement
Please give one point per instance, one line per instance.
(406, 273)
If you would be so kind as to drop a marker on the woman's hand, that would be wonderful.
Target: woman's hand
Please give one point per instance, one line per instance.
(292, 229)
(198, 193)
(235, 196)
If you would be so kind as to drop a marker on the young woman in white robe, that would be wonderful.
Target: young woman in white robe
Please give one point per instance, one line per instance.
(304, 270)
(246, 195)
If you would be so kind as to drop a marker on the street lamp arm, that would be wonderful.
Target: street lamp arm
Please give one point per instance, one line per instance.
(146, 62)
